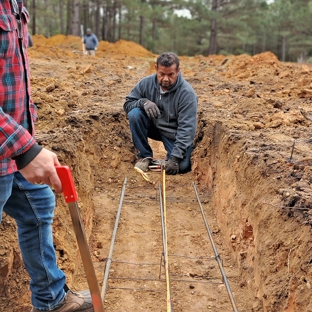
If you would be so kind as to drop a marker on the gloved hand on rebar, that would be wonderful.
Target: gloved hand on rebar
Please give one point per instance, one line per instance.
(151, 109)
(172, 167)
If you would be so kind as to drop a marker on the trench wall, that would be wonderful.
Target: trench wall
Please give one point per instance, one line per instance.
(267, 244)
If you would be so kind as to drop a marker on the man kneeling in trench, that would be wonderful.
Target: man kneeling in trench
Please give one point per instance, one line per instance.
(163, 107)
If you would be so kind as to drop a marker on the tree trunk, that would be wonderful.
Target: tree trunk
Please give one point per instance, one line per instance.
(105, 21)
(104, 35)
(283, 48)
(62, 22)
(69, 17)
(109, 24)
(84, 16)
(120, 21)
(34, 26)
(114, 22)
(76, 18)
(142, 27)
(213, 29)
(97, 18)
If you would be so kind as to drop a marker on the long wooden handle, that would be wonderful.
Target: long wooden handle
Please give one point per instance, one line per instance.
(71, 198)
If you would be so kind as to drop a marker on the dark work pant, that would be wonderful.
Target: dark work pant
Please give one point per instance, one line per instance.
(142, 128)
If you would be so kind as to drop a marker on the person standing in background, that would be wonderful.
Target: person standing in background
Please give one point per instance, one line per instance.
(91, 42)
(27, 171)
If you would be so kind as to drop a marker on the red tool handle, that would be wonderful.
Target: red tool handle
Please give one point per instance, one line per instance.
(68, 184)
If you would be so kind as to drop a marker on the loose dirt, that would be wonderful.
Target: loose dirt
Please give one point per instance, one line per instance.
(251, 167)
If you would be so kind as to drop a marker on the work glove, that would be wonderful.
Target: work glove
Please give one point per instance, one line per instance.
(151, 109)
(172, 167)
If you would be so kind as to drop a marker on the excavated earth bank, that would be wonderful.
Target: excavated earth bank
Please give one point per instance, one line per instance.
(251, 165)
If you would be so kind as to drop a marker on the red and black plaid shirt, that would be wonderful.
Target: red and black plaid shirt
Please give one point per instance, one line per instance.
(17, 111)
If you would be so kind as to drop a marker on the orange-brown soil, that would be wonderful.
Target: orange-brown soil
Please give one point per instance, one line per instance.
(251, 166)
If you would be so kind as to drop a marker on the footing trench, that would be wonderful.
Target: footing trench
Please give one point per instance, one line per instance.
(154, 262)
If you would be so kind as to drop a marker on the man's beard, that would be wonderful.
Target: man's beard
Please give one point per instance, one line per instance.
(166, 86)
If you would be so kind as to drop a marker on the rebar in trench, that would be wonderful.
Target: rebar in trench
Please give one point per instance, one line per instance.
(109, 259)
(292, 151)
(162, 192)
(216, 252)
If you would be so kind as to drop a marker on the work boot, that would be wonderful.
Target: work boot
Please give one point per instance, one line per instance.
(143, 163)
(74, 302)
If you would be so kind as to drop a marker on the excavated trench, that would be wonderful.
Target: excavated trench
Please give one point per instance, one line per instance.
(245, 192)
(246, 184)
(251, 164)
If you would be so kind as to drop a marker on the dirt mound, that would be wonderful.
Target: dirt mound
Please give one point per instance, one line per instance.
(66, 46)
(124, 47)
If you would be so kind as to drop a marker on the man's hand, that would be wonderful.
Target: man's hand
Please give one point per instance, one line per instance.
(42, 170)
(172, 166)
(151, 109)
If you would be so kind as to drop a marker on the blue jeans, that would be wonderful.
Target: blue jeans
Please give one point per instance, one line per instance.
(142, 128)
(32, 206)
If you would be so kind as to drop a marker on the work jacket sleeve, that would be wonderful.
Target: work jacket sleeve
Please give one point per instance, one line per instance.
(139, 94)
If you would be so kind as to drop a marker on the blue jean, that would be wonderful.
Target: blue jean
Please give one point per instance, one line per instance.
(32, 206)
(142, 128)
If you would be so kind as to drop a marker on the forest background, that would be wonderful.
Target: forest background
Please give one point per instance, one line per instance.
(193, 27)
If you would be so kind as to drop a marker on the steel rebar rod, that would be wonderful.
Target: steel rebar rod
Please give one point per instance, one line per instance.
(211, 281)
(109, 259)
(134, 263)
(216, 252)
(193, 258)
(292, 151)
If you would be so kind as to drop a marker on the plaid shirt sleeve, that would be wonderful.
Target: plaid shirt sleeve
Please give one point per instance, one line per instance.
(14, 139)
(17, 111)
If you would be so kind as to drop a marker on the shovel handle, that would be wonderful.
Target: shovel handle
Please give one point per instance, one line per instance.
(68, 184)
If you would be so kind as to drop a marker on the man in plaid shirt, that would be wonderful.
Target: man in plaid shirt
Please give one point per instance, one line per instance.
(27, 171)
